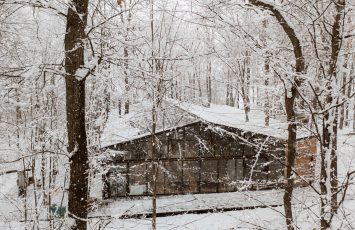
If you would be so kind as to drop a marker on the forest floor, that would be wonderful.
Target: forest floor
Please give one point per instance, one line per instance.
(306, 206)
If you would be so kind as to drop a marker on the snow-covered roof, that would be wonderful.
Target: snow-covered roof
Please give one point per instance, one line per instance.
(137, 123)
(234, 117)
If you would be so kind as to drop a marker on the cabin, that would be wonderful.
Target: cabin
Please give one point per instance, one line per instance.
(200, 150)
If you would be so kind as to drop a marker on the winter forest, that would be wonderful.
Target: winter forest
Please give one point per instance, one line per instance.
(177, 114)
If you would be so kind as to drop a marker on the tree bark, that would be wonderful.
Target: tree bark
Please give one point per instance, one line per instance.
(126, 104)
(75, 108)
(154, 166)
(330, 115)
(290, 96)
(244, 71)
(209, 82)
(267, 98)
(348, 93)
(126, 55)
(342, 107)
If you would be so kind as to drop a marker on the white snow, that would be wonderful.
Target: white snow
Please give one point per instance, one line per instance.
(234, 117)
(188, 202)
(137, 123)
(126, 127)
(117, 129)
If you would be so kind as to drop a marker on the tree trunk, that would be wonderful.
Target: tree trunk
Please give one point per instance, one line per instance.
(290, 156)
(75, 109)
(126, 104)
(126, 55)
(289, 102)
(154, 167)
(237, 96)
(209, 82)
(342, 108)
(348, 93)
(331, 114)
(334, 165)
(244, 88)
(246, 102)
(119, 108)
(267, 98)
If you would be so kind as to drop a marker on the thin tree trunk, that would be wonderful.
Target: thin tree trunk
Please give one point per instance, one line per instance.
(247, 85)
(290, 156)
(332, 121)
(199, 85)
(267, 98)
(237, 96)
(334, 165)
(75, 108)
(154, 120)
(246, 102)
(323, 175)
(342, 108)
(125, 55)
(244, 88)
(209, 82)
(154, 167)
(348, 93)
(126, 104)
(289, 103)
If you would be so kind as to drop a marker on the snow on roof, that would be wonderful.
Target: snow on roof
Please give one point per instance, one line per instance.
(234, 117)
(137, 123)
(117, 130)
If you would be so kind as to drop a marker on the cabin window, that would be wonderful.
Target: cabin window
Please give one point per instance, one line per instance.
(137, 178)
(117, 185)
(116, 181)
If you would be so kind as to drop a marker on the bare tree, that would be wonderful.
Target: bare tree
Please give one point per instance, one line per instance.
(74, 43)
(290, 97)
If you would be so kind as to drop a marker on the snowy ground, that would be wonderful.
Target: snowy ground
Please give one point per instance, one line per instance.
(218, 220)
(194, 202)
(305, 206)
